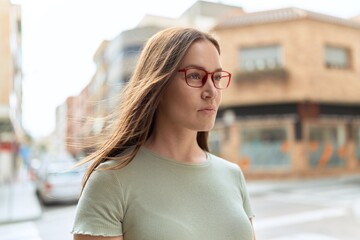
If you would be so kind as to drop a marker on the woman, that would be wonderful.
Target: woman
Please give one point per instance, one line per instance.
(154, 178)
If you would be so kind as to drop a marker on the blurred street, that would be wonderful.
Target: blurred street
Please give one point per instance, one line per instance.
(327, 209)
(292, 107)
(323, 209)
(55, 224)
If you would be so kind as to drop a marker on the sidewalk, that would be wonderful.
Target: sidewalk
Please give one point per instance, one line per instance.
(18, 202)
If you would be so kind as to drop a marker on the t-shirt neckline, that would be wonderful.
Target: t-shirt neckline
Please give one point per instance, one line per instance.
(173, 161)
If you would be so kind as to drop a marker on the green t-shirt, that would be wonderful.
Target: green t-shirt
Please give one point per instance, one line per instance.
(155, 198)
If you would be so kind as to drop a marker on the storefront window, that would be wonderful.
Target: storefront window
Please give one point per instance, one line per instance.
(265, 148)
(357, 142)
(214, 142)
(326, 146)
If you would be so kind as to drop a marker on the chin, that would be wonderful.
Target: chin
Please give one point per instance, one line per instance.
(207, 128)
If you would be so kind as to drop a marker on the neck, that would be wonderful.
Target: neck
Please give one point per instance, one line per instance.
(178, 145)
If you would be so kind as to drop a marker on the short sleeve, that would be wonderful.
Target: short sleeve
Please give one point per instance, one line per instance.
(245, 196)
(100, 208)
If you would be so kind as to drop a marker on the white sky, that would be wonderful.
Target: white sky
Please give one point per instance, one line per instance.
(61, 36)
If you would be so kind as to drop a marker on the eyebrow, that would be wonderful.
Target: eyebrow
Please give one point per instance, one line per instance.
(200, 67)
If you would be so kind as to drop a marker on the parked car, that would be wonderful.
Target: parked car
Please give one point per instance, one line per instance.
(58, 182)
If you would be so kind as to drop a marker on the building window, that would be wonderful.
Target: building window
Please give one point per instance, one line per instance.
(215, 141)
(260, 58)
(5, 127)
(123, 80)
(130, 51)
(337, 57)
(357, 142)
(265, 148)
(18, 23)
(326, 146)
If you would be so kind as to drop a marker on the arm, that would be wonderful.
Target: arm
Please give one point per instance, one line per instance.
(88, 237)
(252, 225)
(246, 201)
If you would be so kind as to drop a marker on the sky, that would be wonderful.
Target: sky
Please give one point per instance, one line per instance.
(60, 38)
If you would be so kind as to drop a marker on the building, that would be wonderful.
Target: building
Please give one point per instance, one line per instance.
(294, 104)
(84, 117)
(121, 56)
(11, 130)
(123, 51)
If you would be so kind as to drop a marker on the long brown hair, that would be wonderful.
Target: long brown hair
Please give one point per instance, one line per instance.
(158, 62)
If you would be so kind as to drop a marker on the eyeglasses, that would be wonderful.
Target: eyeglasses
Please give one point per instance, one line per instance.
(197, 78)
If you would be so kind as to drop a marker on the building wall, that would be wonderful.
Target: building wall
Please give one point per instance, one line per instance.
(61, 128)
(15, 98)
(78, 112)
(11, 132)
(86, 112)
(11, 65)
(308, 141)
(303, 44)
(5, 56)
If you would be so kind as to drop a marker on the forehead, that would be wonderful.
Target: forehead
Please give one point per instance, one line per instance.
(202, 53)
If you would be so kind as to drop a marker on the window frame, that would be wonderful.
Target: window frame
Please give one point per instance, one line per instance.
(336, 66)
(279, 58)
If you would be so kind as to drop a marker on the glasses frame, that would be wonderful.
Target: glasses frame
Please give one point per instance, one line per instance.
(205, 78)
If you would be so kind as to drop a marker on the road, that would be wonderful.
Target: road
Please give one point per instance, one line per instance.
(54, 224)
(323, 210)
(320, 210)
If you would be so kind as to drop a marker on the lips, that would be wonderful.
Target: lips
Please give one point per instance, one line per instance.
(208, 109)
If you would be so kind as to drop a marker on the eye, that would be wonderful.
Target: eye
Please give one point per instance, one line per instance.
(194, 76)
(217, 77)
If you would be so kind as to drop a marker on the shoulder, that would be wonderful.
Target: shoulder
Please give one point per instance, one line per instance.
(101, 177)
(115, 171)
(115, 165)
(223, 163)
(226, 167)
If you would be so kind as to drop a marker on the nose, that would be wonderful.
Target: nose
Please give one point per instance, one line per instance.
(209, 88)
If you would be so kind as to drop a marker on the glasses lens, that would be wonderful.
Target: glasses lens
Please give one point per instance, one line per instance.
(194, 77)
(221, 79)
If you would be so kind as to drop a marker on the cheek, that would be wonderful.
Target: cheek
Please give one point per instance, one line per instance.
(219, 97)
(175, 101)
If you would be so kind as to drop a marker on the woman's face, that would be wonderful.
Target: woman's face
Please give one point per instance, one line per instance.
(187, 107)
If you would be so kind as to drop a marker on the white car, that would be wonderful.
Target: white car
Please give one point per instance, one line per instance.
(58, 182)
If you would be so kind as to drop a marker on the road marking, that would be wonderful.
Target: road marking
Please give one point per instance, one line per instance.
(17, 231)
(299, 218)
